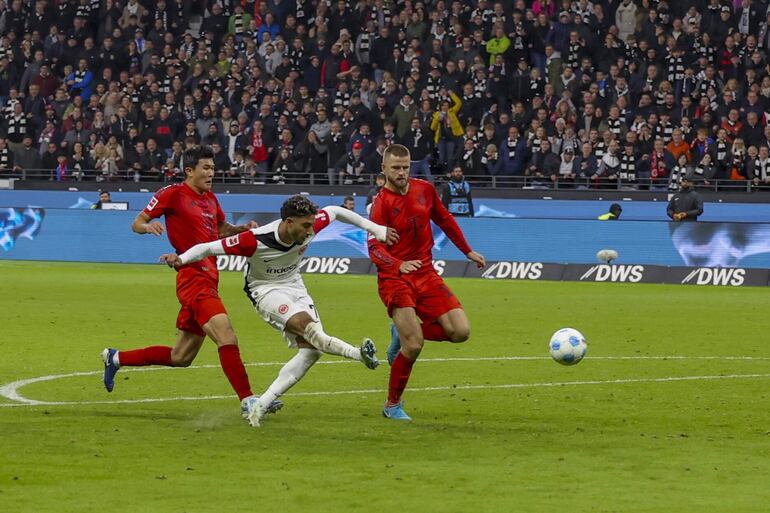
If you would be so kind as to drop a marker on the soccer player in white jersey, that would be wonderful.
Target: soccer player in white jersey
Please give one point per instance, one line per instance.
(275, 287)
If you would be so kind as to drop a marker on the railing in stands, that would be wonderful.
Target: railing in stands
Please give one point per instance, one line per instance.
(368, 180)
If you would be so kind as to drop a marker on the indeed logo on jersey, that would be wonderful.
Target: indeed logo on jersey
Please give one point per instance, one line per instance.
(614, 273)
(719, 276)
(325, 265)
(280, 270)
(514, 270)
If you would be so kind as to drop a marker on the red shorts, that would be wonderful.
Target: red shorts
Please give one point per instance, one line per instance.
(426, 292)
(200, 302)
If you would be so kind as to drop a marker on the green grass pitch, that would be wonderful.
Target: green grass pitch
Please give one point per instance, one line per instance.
(641, 433)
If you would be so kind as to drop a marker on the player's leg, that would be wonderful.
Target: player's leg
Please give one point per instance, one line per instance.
(220, 330)
(188, 342)
(455, 325)
(289, 375)
(410, 333)
(441, 311)
(309, 329)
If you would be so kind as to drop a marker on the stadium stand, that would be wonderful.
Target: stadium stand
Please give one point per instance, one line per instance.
(525, 94)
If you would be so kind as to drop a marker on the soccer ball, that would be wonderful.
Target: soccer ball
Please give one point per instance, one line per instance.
(567, 346)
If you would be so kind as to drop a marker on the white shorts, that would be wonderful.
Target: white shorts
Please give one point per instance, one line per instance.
(278, 305)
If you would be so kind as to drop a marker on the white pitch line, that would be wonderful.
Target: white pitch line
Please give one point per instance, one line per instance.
(10, 391)
(422, 389)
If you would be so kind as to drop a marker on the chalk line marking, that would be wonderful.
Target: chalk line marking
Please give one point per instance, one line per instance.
(11, 390)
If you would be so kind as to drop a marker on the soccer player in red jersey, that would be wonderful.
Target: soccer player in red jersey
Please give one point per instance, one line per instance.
(193, 215)
(419, 302)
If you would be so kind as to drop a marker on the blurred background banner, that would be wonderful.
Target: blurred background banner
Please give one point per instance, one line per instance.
(105, 236)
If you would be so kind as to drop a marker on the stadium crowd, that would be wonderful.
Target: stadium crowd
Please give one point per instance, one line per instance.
(621, 93)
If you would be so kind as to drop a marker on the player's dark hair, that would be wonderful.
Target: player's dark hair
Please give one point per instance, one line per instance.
(395, 150)
(196, 154)
(298, 206)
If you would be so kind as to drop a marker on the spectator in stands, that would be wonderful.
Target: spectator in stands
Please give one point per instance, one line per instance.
(27, 159)
(660, 162)
(543, 164)
(447, 129)
(513, 153)
(420, 145)
(567, 171)
(351, 166)
(678, 146)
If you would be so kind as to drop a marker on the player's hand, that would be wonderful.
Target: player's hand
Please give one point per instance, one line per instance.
(154, 228)
(478, 258)
(409, 266)
(251, 225)
(171, 260)
(391, 237)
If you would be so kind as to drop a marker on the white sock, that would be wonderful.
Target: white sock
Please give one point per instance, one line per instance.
(290, 374)
(315, 335)
(116, 359)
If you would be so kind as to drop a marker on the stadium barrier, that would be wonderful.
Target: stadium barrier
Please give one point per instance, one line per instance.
(367, 180)
(650, 251)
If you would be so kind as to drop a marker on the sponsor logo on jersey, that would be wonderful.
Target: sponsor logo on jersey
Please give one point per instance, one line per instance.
(614, 273)
(231, 241)
(514, 270)
(152, 203)
(325, 265)
(283, 309)
(716, 276)
(280, 270)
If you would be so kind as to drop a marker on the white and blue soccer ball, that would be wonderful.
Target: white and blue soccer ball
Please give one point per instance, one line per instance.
(567, 346)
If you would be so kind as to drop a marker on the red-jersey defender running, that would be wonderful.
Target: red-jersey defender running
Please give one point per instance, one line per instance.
(408, 285)
(193, 215)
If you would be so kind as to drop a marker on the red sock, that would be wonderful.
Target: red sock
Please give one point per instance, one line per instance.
(230, 359)
(433, 331)
(153, 355)
(399, 377)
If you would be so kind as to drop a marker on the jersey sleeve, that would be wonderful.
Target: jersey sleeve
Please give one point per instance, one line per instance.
(378, 251)
(243, 244)
(322, 220)
(160, 203)
(446, 221)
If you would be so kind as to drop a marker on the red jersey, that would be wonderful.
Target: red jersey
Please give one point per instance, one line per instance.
(191, 219)
(410, 214)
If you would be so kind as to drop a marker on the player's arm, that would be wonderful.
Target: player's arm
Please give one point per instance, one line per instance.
(380, 232)
(378, 252)
(228, 230)
(143, 224)
(242, 244)
(446, 221)
(160, 203)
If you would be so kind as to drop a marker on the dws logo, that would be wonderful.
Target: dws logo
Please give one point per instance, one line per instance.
(718, 276)
(514, 270)
(614, 273)
(325, 265)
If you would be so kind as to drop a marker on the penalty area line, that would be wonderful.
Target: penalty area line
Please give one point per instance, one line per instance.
(669, 379)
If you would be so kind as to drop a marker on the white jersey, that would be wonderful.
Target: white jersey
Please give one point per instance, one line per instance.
(273, 263)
